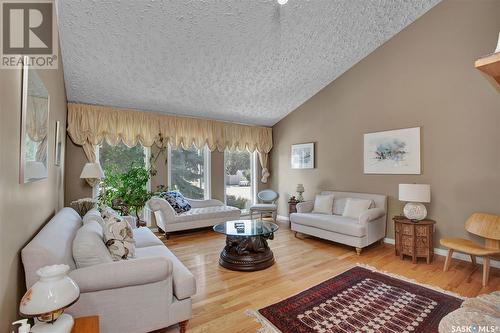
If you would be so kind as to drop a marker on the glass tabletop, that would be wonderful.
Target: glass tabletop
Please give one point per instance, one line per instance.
(246, 228)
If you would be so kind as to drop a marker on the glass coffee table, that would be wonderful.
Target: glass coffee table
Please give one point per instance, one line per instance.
(246, 244)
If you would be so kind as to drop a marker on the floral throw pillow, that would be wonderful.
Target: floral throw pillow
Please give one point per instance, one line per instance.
(177, 201)
(118, 236)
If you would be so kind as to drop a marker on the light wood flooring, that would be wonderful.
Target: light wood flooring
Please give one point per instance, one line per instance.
(223, 295)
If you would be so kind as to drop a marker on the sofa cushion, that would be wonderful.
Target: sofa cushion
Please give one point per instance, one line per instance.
(264, 207)
(355, 207)
(183, 280)
(177, 201)
(88, 246)
(334, 223)
(206, 213)
(145, 237)
(323, 204)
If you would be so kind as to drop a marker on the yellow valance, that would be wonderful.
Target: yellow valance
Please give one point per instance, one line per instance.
(89, 125)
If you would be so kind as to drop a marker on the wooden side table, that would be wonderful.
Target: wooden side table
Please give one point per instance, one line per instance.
(86, 325)
(292, 206)
(414, 239)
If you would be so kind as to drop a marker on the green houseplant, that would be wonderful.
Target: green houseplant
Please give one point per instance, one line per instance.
(126, 191)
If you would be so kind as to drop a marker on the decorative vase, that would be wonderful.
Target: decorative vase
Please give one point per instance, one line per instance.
(415, 211)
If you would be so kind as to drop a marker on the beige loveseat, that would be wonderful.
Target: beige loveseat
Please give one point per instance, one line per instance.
(137, 295)
(203, 213)
(367, 229)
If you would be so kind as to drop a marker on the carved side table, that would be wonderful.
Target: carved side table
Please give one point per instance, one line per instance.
(414, 239)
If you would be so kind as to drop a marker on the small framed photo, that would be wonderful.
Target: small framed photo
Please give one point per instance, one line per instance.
(58, 148)
(303, 156)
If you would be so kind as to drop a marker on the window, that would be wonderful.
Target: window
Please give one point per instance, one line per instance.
(188, 172)
(120, 158)
(240, 179)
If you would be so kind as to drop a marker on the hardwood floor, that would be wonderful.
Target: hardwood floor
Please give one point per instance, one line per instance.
(223, 295)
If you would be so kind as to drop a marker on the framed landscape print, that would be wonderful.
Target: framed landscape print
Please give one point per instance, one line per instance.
(392, 152)
(303, 156)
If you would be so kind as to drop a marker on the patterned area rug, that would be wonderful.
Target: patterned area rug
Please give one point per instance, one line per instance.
(360, 300)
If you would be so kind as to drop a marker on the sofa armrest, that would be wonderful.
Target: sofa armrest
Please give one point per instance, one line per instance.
(371, 215)
(305, 206)
(122, 273)
(204, 203)
(160, 204)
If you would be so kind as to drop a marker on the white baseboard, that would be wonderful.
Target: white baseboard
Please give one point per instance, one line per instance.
(456, 255)
(282, 218)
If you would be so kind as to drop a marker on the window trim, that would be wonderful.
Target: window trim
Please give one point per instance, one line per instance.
(207, 177)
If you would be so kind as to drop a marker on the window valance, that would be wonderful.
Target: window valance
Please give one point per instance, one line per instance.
(89, 125)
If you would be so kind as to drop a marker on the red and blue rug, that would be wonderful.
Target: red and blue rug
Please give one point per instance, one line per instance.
(360, 300)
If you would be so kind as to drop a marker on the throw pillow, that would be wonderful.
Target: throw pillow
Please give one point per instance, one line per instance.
(88, 246)
(323, 204)
(355, 207)
(118, 237)
(177, 201)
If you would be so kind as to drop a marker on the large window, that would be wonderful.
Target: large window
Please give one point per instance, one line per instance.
(120, 159)
(189, 172)
(240, 184)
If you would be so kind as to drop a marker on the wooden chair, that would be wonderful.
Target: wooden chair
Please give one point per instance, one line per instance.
(481, 224)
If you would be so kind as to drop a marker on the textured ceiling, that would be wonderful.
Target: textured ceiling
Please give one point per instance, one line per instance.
(247, 61)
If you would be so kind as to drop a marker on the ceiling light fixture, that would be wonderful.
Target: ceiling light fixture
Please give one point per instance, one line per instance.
(282, 2)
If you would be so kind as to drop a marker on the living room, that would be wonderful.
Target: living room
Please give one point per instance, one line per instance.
(276, 166)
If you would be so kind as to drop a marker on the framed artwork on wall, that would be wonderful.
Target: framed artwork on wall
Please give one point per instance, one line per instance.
(302, 156)
(392, 152)
(58, 147)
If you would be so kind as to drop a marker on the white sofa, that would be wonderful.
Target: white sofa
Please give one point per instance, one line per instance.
(369, 228)
(137, 295)
(203, 213)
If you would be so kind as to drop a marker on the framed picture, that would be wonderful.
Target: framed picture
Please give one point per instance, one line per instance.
(392, 152)
(34, 127)
(303, 156)
(58, 147)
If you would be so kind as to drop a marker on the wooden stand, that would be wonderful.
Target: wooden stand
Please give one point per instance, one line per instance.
(292, 206)
(414, 239)
(86, 325)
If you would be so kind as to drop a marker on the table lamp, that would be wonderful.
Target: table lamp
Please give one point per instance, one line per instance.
(92, 173)
(47, 299)
(415, 195)
(300, 190)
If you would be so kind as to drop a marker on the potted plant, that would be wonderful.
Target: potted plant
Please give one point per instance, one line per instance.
(126, 191)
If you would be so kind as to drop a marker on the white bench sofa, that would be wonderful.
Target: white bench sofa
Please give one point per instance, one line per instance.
(369, 228)
(139, 295)
(203, 213)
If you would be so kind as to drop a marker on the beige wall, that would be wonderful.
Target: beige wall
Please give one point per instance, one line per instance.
(424, 76)
(24, 207)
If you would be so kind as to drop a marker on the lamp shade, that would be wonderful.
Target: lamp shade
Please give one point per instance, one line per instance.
(415, 192)
(92, 170)
(300, 188)
(53, 291)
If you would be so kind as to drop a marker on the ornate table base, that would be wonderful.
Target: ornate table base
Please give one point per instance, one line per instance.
(247, 253)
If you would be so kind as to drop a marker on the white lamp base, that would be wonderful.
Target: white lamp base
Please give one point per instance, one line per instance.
(63, 324)
(415, 211)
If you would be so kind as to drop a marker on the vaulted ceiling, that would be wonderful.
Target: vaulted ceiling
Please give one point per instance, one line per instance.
(246, 61)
